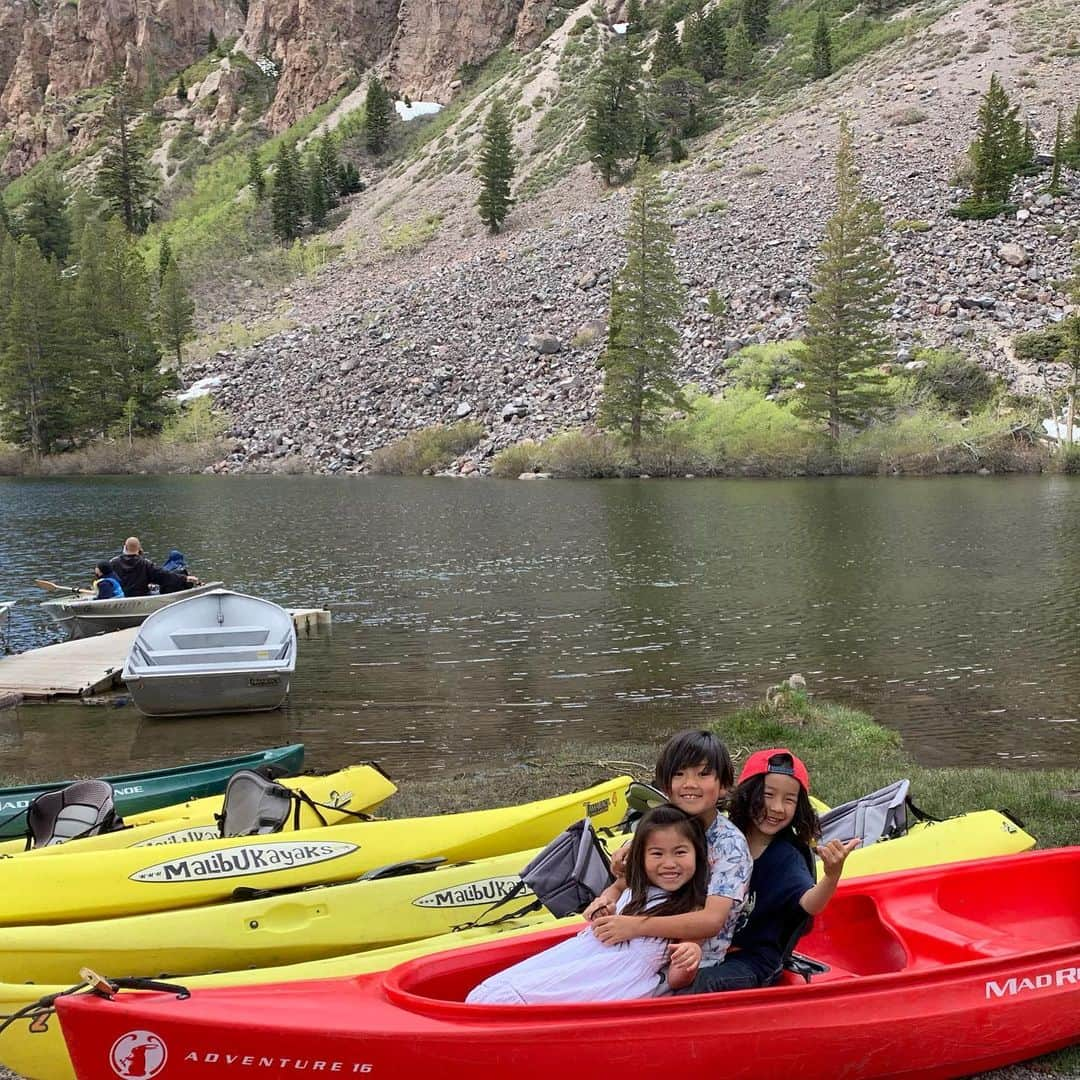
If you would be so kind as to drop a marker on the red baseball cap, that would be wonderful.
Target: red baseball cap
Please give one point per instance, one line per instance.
(778, 760)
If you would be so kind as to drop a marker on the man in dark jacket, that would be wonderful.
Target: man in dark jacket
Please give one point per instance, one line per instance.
(137, 573)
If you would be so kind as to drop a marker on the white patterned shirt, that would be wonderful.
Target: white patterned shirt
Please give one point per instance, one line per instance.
(730, 868)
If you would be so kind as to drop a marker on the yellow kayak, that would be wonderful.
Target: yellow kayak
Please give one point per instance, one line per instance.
(80, 885)
(359, 788)
(336, 919)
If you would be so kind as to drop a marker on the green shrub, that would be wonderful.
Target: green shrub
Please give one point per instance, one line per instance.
(767, 368)
(907, 116)
(1042, 346)
(1068, 459)
(522, 457)
(583, 24)
(576, 454)
(953, 381)
(905, 225)
(194, 423)
(427, 449)
(970, 210)
(672, 453)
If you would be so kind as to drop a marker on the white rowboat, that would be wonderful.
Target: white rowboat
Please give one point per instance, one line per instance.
(80, 617)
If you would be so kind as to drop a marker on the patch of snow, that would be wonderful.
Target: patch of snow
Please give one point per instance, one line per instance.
(619, 27)
(416, 108)
(200, 388)
(1059, 431)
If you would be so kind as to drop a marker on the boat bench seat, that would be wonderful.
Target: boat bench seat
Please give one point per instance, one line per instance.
(213, 637)
(237, 656)
(931, 932)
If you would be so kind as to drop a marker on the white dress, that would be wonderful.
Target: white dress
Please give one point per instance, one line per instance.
(581, 969)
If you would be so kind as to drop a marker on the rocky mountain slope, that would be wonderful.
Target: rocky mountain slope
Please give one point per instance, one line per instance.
(507, 329)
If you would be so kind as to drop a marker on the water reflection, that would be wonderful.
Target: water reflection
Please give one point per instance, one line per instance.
(478, 621)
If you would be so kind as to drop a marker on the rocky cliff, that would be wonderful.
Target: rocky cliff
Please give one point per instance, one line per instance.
(53, 49)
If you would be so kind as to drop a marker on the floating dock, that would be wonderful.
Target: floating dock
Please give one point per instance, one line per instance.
(89, 666)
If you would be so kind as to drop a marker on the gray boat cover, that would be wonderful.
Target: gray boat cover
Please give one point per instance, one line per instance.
(881, 815)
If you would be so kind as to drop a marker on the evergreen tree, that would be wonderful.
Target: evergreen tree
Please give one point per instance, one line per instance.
(256, 176)
(1027, 151)
(176, 313)
(211, 42)
(165, 258)
(666, 52)
(348, 178)
(847, 334)
(681, 103)
(643, 332)
(755, 14)
(181, 88)
(287, 196)
(740, 54)
(1056, 187)
(5, 219)
(496, 167)
(43, 215)
(36, 369)
(125, 180)
(693, 41)
(822, 62)
(116, 337)
(317, 192)
(994, 153)
(613, 129)
(1070, 354)
(636, 22)
(329, 166)
(713, 45)
(378, 107)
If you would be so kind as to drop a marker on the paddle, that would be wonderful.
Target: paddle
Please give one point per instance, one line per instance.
(51, 586)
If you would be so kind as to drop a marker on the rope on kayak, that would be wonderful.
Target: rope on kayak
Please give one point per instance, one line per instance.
(614, 766)
(92, 983)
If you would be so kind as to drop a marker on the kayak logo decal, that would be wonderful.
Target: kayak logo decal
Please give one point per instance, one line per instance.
(138, 1055)
(1045, 980)
(598, 807)
(182, 836)
(241, 861)
(481, 891)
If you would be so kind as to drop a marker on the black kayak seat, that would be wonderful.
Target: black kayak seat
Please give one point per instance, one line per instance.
(84, 808)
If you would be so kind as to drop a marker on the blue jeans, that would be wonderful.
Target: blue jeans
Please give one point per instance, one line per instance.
(732, 973)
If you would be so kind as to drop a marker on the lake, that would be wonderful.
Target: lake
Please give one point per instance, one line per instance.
(485, 622)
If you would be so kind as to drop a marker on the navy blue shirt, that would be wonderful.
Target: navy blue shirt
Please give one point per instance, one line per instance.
(780, 877)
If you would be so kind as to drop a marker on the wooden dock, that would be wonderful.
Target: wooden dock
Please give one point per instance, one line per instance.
(89, 666)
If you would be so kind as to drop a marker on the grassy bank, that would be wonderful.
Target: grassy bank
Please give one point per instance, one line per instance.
(119, 458)
(848, 754)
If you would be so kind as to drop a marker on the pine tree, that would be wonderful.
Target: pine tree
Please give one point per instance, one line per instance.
(1026, 162)
(496, 167)
(125, 180)
(681, 103)
(666, 52)
(348, 178)
(43, 215)
(755, 14)
(822, 62)
(5, 219)
(693, 41)
(994, 153)
(181, 88)
(714, 45)
(1070, 354)
(740, 54)
(378, 107)
(1072, 144)
(176, 313)
(613, 128)
(329, 166)
(317, 191)
(643, 332)
(849, 308)
(256, 176)
(287, 196)
(636, 22)
(165, 258)
(211, 42)
(1055, 186)
(36, 365)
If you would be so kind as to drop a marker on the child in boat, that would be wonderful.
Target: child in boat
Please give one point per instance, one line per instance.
(771, 805)
(107, 583)
(694, 771)
(666, 874)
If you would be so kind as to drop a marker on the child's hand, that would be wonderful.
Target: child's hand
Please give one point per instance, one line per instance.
(834, 853)
(598, 907)
(618, 861)
(685, 956)
(615, 929)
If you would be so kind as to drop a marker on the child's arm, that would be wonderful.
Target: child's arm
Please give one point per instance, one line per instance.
(685, 958)
(693, 926)
(605, 903)
(833, 854)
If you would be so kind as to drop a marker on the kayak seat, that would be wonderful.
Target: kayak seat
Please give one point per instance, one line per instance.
(213, 637)
(254, 805)
(936, 936)
(84, 808)
(851, 934)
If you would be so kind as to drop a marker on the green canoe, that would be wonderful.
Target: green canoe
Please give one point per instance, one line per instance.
(137, 792)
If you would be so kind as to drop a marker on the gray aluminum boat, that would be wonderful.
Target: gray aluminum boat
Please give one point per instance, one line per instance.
(218, 652)
(79, 617)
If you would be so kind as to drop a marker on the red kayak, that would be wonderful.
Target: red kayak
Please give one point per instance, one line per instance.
(936, 972)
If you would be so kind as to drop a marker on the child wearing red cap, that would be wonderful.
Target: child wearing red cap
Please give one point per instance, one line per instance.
(771, 805)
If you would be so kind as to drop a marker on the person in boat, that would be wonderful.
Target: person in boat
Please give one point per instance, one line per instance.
(175, 563)
(667, 872)
(137, 573)
(694, 771)
(771, 806)
(106, 582)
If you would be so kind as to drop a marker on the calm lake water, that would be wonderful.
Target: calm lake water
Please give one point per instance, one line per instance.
(483, 622)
